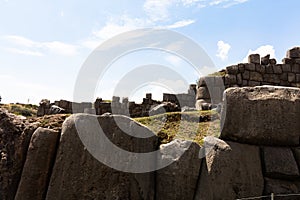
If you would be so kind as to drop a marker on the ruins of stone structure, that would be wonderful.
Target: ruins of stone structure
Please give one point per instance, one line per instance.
(258, 71)
(116, 106)
(258, 153)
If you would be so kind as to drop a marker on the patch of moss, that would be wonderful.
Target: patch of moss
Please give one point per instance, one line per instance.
(192, 126)
(219, 73)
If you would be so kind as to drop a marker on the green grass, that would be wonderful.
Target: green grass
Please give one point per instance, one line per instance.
(177, 125)
(27, 110)
(219, 73)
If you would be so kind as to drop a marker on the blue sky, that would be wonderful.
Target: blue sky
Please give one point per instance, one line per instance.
(43, 44)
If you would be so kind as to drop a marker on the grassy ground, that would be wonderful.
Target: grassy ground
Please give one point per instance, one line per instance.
(27, 110)
(190, 125)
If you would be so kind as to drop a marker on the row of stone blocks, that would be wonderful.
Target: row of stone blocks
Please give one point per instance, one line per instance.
(256, 74)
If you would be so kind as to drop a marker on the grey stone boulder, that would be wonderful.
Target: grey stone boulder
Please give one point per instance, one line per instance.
(106, 173)
(15, 135)
(280, 163)
(37, 168)
(163, 108)
(178, 180)
(56, 110)
(230, 171)
(262, 115)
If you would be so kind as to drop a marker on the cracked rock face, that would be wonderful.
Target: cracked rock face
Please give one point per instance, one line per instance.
(268, 115)
(15, 135)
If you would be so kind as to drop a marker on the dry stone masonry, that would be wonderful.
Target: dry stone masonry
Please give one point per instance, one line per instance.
(258, 71)
(118, 106)
(258, 153)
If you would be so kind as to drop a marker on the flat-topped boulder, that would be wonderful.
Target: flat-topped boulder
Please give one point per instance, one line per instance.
(79, 172)
(262, 115)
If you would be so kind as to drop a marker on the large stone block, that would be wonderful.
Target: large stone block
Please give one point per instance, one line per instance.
(293, 53)
(178, 180)
(79, 175)
(267, 115)
(14, 141)
(231, 171)
(203, 93)
(296, 68)
(254, 58)
(282, 187)
(272, 78)
(280, 163)
(37, 168)
(232, 69)
(255, 76)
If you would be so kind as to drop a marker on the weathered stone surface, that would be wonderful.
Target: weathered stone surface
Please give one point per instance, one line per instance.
(14, 141)
(288, 61)
(265, 60)
(239, 79)
(37, 168)
(253, 83)
(232, 69)
(164, 107)
(260, 68)
(246, 75)
(277, 69)
(272, 78)
(250, 66)
(286, 68)
(257, 111)
(202, 93)
(255, 76)
(230, 79)
(269, 69)
(254, 58)
(280, 163)
(293, 53)
(273, 61)
(78, 175)
(241, 68)
(231, 172)
(284, 77)
(178, 180)
(282, 187)
(291, 77)
(296, 68)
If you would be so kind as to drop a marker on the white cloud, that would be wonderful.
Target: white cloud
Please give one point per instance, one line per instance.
(174, 60)
(24, 52)
(262, 51)
(180, 24)
(226, 3)
(26, 46)
(223, 49)
(123, 24)
(158, 10)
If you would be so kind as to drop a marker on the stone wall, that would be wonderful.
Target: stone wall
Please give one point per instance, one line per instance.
(258, 71)
(116, 106)
(258, 153)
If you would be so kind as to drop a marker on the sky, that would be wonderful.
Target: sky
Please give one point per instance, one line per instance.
(44, 44)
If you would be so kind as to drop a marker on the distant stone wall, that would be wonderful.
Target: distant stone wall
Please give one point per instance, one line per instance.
(258, 71)
(116, 106)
